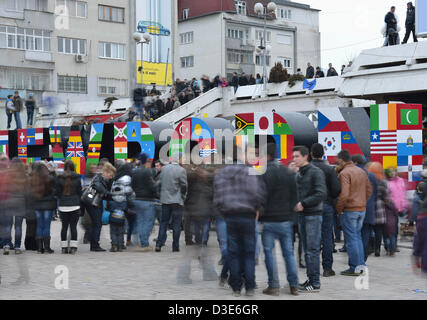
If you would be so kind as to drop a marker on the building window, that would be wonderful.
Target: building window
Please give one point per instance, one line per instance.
(21, 5)
(240, 7)
(259, 34)
(72, 84)
(73, 8)
(185, 13)
(24, 39)
(186, 37)
(259, 60)
(187, 62)
(117, 87)
(111, 14)
(284, 39)
(239, 57)
(286, 62)
(283, 14)
(25, 80)
(111, 50)
(234, 33)
(71, 46)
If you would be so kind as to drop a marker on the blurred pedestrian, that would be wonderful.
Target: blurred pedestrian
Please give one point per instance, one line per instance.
(30, 104)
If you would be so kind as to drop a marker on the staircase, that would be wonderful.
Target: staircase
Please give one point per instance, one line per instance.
(207, 105)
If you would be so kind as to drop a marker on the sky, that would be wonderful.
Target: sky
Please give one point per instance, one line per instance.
(347, 27)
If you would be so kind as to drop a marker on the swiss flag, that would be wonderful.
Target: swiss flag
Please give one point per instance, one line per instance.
(22, 137)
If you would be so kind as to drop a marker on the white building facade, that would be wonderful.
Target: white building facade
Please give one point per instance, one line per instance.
(223, 42)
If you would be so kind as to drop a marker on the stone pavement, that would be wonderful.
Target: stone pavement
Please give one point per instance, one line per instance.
(136, 275)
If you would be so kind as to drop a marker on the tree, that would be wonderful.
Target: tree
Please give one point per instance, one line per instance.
(278, 74)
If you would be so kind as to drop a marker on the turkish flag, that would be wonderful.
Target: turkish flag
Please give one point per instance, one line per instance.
(183, 130)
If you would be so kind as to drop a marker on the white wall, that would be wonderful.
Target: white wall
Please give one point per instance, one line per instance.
(207, 47)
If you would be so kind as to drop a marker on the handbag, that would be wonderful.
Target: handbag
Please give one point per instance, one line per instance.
(91, 197)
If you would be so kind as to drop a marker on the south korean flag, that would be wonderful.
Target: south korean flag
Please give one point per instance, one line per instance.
(331, 142)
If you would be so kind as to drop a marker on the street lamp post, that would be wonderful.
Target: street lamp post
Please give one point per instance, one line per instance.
(145, 38)
(259, 9)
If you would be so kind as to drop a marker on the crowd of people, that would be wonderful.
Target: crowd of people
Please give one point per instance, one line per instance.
(308, 199)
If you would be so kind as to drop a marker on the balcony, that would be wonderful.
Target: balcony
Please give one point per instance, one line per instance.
(239, 44)
(37, 20)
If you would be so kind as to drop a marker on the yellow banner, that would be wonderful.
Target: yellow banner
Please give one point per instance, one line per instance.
(154, 73)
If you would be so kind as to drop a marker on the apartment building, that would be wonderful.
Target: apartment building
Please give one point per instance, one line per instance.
(221, 37)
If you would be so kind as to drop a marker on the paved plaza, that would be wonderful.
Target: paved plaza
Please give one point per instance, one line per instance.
(136, 275)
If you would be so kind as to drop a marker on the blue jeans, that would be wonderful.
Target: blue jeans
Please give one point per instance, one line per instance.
(30, 116)
(18, 120)
(117, 232)
(352, 223)
(175, 211)
(158, 210)
(44, 218)
(5, 231)
(282, 231)
(9, 119)
(241, 251)
(366, 235)
(140, 110)
(18, 231)
(221, 232)
(201, 230)
(95, 214)
(390, 243)
(145, 215)
(310, 228)
(327, 236)
(258, 242)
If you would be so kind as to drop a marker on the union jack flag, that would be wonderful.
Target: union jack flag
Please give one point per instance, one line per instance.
(75, 150)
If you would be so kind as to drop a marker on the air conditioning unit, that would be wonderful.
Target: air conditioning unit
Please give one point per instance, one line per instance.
(80, 58)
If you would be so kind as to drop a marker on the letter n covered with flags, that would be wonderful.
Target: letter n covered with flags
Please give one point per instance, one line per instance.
(396, 139)
(4, 142)
(75, 151)
(56, 142)
(120, 141)
(95, 140)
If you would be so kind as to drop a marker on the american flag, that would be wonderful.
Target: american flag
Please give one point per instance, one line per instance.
(384, 142)
(75, 150)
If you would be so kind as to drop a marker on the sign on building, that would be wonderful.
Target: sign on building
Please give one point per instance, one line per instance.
(421, 18)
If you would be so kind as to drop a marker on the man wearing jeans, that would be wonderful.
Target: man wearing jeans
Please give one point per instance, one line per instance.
(145, 195)
(278, 222)
(311, 194)
(238, 196)
(173, 191)
(333, 188)
(355, 192)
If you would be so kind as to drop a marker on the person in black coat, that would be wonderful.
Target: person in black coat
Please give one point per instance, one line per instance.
(44, 202)
(69, 192)
(333, 187)
(243, 80)
(235, 82)
(319, 73)
(278, 220)
(312, 192)
(410, 23)
(309, 74)
(102, 184)
(391, 22)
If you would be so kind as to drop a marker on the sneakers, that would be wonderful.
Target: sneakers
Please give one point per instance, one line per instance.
(6, 251)
(113, 248)
(308, 287)
(271, 291)
(158, 249)
(343, 249)
(250, 293)
(351, 273)
(18, 251)
(236, 294)
(223, 283)
(328, 273)
(175, 250)
(146, 249)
